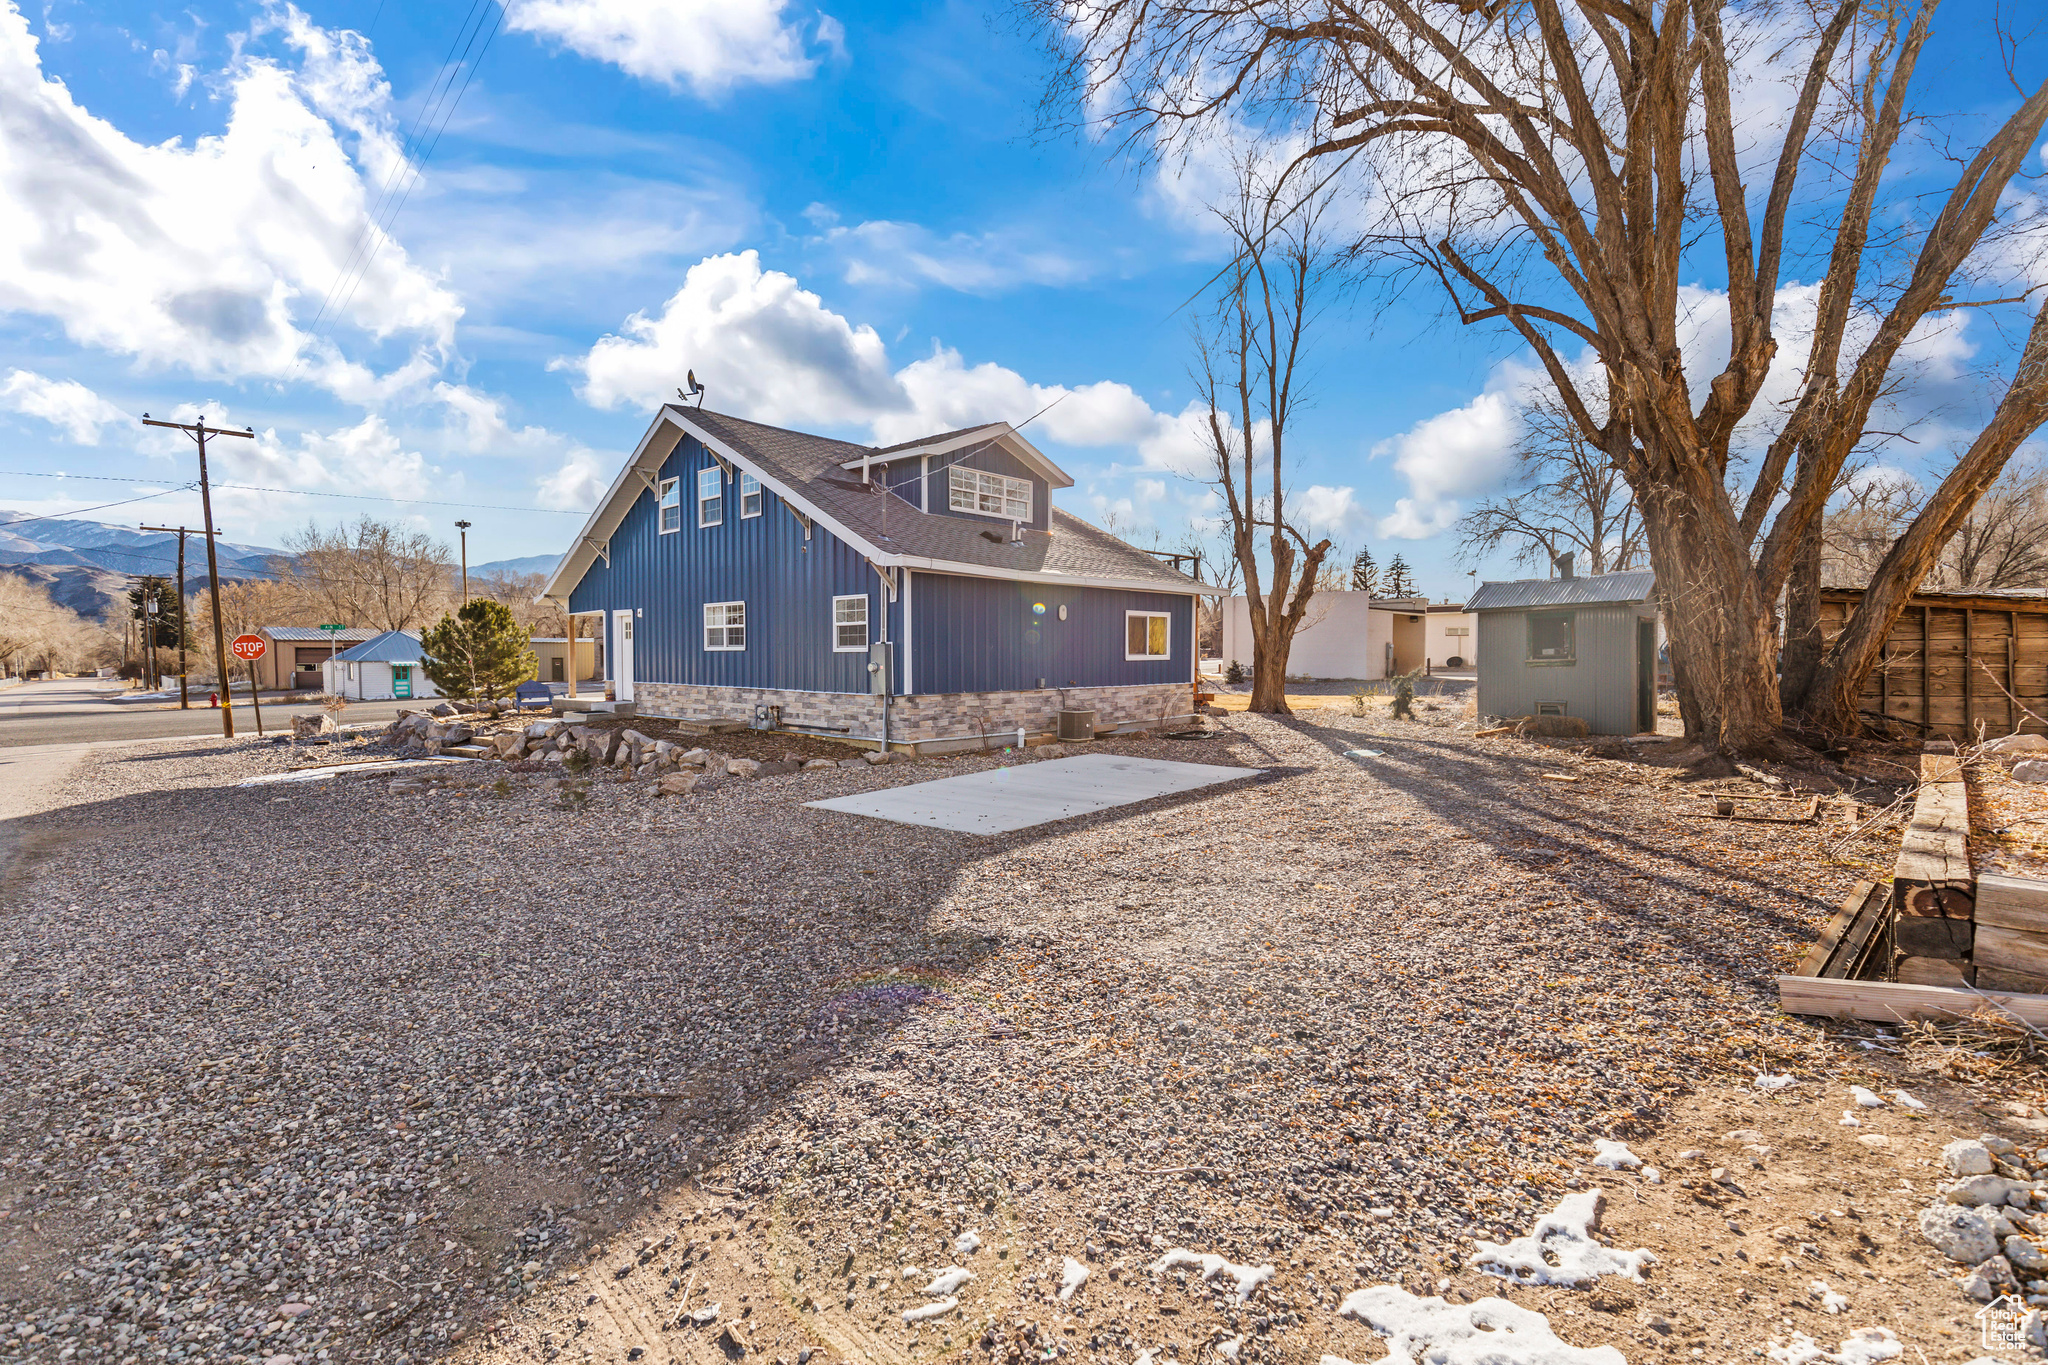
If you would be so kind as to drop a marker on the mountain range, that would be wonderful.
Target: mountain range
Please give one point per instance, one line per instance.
(88, 565)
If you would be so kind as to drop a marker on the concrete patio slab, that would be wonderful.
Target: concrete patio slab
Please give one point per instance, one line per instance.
(1002, 800)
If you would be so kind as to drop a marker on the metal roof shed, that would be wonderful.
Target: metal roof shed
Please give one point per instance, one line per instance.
(1584, 647)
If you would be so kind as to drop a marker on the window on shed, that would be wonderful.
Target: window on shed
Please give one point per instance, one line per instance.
(671, 492)
(1145, 635)
(995, 495)
(1551, 637)
(850, 625)
(710, 496)
(750, 496)
(1550, 708)
(725, 625)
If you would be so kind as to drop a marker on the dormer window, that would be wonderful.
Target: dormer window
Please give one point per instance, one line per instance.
(994, 495)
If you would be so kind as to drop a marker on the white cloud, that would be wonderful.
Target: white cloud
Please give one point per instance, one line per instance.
(577, 485)
(902, 255)
(62, 403)
(210, 257)
(1457, 453)
(1329, 511)
(708, 45)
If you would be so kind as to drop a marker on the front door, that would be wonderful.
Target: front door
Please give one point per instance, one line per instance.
(622, 656)
(401, 681)
(1646, 676)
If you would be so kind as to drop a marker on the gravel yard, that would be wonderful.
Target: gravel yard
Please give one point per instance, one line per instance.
(340, 1071)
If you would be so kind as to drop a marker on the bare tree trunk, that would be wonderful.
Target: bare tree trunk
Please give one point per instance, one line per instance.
(1832, 699)
(1803, 643)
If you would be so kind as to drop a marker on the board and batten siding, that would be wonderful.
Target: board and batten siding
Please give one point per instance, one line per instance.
(1955, 663)
(1599, 687)
(787, 582)
(984, 635)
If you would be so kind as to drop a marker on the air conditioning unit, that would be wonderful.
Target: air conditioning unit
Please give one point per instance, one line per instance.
(1076, 725)
(767, 717)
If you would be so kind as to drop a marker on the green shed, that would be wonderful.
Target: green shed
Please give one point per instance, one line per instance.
(1584, 647)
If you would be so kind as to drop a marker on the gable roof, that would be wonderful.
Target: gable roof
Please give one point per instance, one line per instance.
(821, 477)
(309, 634)
(388, 647)
(1635, 586)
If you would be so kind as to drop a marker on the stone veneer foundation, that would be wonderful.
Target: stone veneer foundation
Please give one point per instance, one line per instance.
(931, 719)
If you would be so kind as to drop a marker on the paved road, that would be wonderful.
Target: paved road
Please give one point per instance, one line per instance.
(78, 711)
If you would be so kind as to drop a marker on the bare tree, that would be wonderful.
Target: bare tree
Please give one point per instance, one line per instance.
(35, 632)
(1247, 369)
(373, 574)
(2001, 546)
(1548, 164)
(520, 593)
(1569, 497)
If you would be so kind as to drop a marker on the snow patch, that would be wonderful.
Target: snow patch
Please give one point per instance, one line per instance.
(1072, 1277)
(930, 1310)
(1614, 1155)
(1830, 1301)
(1487, 1332)
(1247, 1277)
(1849, 1119)
(1770, 1082)
(947, 1280)
(967, 1243)
(1902, 1097)
(1229, 1349)
(1561, 1249)
(1653, 1175)
(1867, 1098)
(1864, 1346)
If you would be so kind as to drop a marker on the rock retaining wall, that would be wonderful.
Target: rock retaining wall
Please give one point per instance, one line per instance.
(937, 717)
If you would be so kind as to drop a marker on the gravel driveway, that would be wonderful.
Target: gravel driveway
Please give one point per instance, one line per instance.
(333, 1071)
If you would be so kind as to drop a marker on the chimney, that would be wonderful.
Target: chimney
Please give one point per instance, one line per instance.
(1564, 564)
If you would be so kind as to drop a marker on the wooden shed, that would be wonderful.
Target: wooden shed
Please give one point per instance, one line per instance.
(1583, 647)
(1956, 661)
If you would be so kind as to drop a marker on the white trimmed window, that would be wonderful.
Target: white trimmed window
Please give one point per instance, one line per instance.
(710, 496)
(850, 625)
(1146, 635)
(750, 496)
(671, 492)
(725, 625)
(994, 495)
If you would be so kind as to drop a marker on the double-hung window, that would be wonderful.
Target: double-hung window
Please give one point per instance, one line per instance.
(750, 496)
(1146, 635)
(725, 625)
(710, 496)
(850, 625)
(995, 495)
(671, 495)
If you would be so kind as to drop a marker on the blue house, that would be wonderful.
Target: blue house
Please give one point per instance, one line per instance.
(921, 593)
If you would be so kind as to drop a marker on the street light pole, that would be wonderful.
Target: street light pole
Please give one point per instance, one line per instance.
(463, 527)
(199, 431)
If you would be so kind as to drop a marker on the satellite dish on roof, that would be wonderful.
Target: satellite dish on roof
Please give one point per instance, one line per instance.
(695, 389)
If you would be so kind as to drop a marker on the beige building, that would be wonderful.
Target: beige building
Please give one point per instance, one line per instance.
(293, 654)
(1354, 635)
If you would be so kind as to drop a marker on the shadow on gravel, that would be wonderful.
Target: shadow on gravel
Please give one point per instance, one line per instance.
(1499, 797)
(394, 1055)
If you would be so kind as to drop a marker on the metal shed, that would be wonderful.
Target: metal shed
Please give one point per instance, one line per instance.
(1584, 647)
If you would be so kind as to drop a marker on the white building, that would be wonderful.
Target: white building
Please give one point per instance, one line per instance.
(383, 668)
(1354, 635)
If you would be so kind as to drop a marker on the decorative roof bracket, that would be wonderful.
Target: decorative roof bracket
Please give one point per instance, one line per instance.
(602, 547)
(802, 520)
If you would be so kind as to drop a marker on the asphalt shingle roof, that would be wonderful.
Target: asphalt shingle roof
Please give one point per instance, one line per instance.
(1564, 592)
(810, 465)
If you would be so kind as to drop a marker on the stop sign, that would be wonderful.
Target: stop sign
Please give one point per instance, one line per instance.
(248, 647)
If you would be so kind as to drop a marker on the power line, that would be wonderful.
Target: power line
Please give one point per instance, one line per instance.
(60, 516)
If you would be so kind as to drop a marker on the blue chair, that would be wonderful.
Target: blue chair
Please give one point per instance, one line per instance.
(533, 695)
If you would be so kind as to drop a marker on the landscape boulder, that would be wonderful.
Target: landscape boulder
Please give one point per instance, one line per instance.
(456, 732)
(879, 757)
(2017, 744)
(820, 763)
(1979, 1190)
(742, 767)
(446, 708)
(1963, 1235)
(853, 762)
(696, 757)
(2030, 770)
(306, 727)
(509, 744)
(1967, 1157)
(678, 784)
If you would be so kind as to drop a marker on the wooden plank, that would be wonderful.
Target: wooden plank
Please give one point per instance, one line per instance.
(2013, 948)
(1931, 936)
(1862, 941)
(1933, 971)
(1940, 768)
(1934, 851)
(1852, 905)
(1892, 1002)
(1969, 692)
(1926, 643)
(2012, 903)
(2006, 979)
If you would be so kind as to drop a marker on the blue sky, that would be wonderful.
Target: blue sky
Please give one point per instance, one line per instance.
(841, 218)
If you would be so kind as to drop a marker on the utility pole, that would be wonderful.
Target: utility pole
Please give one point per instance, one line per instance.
(184, 692)
(199, 431)
(463, 527)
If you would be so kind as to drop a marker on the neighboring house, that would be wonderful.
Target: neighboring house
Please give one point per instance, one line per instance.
(1583, 647)
(385, 667)
(552, 653)
(294, 654)
(1357, 635)
(929, 588)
